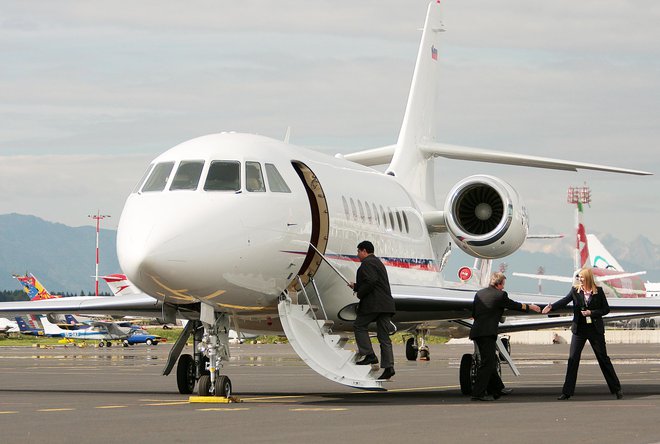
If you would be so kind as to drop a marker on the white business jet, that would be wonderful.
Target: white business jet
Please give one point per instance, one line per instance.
(238, 228)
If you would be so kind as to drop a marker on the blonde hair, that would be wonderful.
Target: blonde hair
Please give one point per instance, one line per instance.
(589, 281)
(497, 278)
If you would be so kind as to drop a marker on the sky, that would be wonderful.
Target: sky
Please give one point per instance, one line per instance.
(91, 92)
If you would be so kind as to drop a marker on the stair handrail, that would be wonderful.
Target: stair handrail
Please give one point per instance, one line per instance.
(318, 295)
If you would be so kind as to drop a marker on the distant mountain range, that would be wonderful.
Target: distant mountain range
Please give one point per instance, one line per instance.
(63, 257)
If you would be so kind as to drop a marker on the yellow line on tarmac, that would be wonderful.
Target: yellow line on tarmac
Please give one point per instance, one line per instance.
(166, 403)
(55, 410)
(110, 407)
(7, 412)
(162, 400)
(287, 398)
(318, 409)
(222, 409)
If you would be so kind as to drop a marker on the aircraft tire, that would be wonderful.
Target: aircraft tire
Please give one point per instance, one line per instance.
(223, 386)
(101, 344)
(424, 354)
(185, 374)
(465, 374)
(108, 344)
(411, 350)
(204, 388)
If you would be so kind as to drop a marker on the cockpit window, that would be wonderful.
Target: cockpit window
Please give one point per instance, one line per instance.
(142, 179)
(224, 175)
(276, 182)
(254, 180)
(187, 175)
(158, 178)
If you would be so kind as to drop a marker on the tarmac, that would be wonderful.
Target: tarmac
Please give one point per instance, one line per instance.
(119, 395)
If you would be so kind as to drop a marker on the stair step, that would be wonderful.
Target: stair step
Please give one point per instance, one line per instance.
(322, 350)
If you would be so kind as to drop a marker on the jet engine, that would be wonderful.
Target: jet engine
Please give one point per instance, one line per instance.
(485, 217)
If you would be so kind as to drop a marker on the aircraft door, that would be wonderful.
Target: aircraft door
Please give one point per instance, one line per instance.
(320, 224)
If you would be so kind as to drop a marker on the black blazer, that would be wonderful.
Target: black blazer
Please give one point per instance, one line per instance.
(487, 309)
(597, 304)
(373, 287)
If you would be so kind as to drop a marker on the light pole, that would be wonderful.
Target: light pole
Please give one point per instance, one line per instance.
(97, 217)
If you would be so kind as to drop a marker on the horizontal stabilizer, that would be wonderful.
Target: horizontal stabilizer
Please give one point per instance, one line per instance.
(482, 155)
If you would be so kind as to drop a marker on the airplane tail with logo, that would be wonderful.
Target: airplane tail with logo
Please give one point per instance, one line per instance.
(28, 328)
(33, 288)
(120, 285)
(600, 257)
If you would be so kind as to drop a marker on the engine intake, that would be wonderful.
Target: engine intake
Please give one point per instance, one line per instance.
(485, 217)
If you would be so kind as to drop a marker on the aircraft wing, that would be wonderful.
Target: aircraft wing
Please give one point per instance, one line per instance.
(129, 305)
(540, 322)
(456, 303)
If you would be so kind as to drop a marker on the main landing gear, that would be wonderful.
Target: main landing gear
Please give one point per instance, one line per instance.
(467, 373)
(416, 346)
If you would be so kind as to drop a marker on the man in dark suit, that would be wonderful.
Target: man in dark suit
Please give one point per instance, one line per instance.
(372, 287)
(487, 310)
(589, 307)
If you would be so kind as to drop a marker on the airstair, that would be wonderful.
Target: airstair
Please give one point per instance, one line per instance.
(321, 349)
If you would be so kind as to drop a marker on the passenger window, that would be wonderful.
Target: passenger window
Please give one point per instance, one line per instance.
(187, 175)
(389, 210)
(384, 217)
(368, 209)
(254, 180)
(376, 214)
(343, 201)
(224, 175)
(405, 221)
(398, 219)
(353, 209)
(276, 182)
(142, 179)
(158, 178)
(361, 210)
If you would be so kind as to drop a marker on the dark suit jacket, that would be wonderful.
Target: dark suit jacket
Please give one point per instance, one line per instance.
(373, 287)
(597, 304)
(487, 309)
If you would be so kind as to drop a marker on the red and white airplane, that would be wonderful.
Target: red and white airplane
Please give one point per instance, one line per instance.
(234, 228)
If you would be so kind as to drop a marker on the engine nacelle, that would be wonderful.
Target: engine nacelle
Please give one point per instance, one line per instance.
(485, 217)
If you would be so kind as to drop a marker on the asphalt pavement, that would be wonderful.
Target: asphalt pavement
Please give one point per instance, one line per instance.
(118, 394)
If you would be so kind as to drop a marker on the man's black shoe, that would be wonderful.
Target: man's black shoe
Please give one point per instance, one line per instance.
(483, 398)
(388, 373)
(368, 360)
(619, 394)
(563, 397)
(505, 392)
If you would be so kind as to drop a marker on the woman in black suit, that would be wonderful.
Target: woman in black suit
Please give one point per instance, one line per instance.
(589, 307)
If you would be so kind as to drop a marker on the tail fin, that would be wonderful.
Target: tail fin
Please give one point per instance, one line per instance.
(50, 329)
(70, 319)
(22, 325)
(600, 257)
(410, 164)
(120, 285)
(33, 288)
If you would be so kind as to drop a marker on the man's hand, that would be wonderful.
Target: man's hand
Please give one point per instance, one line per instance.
(352, 285)
(535, 308)
(547, 309)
